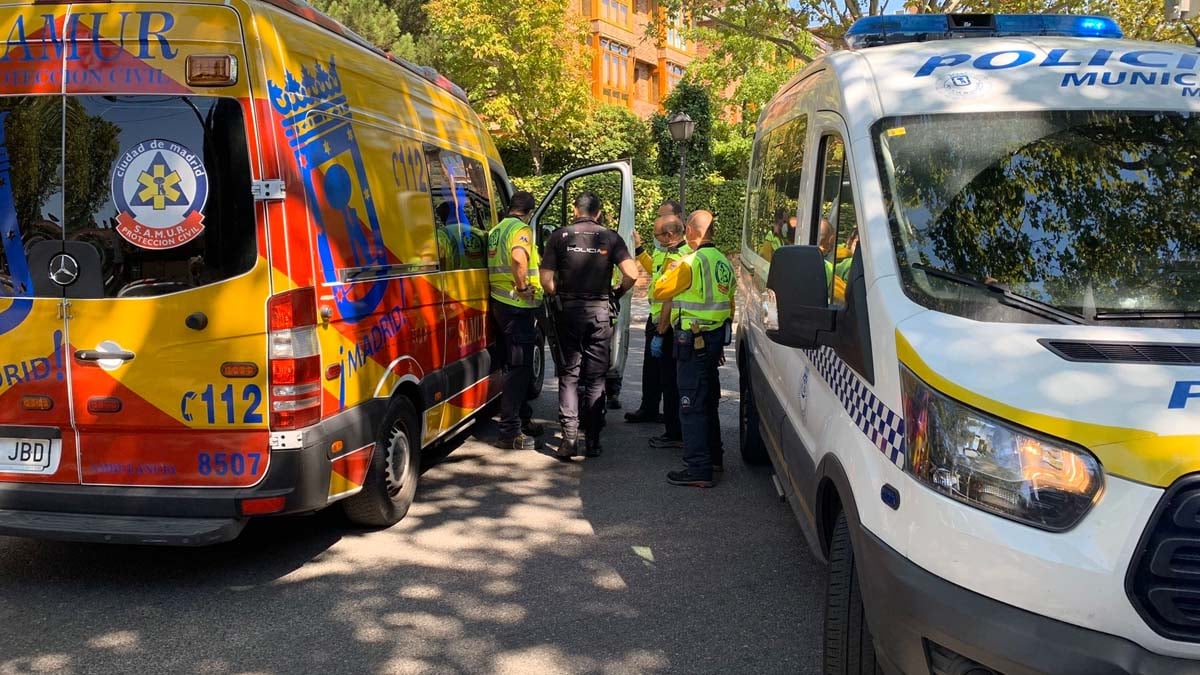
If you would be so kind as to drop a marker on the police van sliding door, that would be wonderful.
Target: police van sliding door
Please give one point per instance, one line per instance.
(167, 319)
(613, 183)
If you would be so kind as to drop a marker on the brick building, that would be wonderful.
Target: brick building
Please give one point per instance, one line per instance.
(629, 68)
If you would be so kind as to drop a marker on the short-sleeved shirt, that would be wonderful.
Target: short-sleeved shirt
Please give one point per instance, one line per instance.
(583, 256)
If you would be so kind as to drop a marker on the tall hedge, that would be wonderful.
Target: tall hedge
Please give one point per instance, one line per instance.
(725, 198)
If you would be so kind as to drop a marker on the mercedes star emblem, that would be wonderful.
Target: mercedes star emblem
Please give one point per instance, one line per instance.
(64, 269)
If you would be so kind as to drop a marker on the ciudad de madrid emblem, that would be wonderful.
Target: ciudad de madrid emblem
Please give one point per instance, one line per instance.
(159, 188)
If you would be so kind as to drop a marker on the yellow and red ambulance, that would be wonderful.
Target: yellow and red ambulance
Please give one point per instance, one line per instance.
(240, 269)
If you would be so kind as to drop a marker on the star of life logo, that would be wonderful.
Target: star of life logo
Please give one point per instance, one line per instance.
(160, 188)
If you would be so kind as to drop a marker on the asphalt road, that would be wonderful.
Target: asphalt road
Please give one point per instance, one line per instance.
(510, 562)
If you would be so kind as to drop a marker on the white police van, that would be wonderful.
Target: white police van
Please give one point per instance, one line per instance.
(977, 371)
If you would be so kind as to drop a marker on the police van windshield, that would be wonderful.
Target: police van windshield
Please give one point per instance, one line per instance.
(1094, 213)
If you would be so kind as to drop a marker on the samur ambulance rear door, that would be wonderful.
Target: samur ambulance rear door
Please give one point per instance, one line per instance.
(613, 183)
(167, 325)
(37, 442)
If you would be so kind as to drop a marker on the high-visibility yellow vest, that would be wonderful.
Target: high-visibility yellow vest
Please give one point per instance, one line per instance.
(508, 233)
(446, 256)
(659, 261)
(708, 303)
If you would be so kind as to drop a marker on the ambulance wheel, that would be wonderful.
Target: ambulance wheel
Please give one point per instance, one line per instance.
(539, 366)
(391, 482)
(849, 648)
(754, 451)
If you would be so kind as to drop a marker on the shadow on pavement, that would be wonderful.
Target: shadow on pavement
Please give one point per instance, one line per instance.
(509, 562)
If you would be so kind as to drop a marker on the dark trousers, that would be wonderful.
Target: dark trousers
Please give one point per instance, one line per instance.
(612, 385)
(699, 396)
(584, 335)
(652, 374)
(670, 386)
(517, 333)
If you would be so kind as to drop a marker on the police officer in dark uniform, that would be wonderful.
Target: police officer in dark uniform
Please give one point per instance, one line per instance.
(576, 273)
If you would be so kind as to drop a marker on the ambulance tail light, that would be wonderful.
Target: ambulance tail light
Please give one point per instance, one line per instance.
(295, 360)
(994, 465)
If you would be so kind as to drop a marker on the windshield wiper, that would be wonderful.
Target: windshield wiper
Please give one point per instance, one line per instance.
(1005, 296)
(1146, 315)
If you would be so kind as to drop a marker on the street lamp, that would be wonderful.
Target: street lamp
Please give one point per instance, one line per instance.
(681, 127)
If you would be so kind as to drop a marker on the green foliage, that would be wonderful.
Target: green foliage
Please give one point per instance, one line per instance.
(614, 132)
(725, 198)
(692, 99)
(523, 62)
(372, 19)
(740, 73)
(413, 19)
(731, 154)
(784, 23)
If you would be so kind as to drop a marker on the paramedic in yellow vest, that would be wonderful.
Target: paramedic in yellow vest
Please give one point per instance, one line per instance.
(827, 243)
(700, 288)
(658, 371)
(516, 293)
(776, 237)
(651, 260)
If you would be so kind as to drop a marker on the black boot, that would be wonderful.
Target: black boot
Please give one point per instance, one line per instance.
(567, 449)
(593, 447)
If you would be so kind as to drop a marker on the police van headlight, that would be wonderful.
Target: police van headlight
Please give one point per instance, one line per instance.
(987, 463)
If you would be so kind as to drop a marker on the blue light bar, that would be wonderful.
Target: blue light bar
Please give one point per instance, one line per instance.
(872, 31)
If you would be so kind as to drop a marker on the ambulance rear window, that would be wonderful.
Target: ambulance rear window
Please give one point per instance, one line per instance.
(158, 186)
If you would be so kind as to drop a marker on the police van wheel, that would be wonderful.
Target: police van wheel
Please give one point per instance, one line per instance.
(391, 482)
(754, 451)
(539, 366)
(849, 648)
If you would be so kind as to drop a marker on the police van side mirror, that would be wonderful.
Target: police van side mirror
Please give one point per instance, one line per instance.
(798, 284)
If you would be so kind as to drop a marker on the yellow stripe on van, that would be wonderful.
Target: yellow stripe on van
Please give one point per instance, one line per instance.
(1136, 454)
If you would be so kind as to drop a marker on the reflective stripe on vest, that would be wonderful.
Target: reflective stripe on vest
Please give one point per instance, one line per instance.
(500, 277)
(701, 303)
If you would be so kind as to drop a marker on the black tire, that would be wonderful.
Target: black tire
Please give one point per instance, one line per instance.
(849, 647)
(391, 482)
(754, 450)
(539, 366)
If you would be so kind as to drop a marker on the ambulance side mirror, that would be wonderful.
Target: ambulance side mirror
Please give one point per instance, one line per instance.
(797, 281)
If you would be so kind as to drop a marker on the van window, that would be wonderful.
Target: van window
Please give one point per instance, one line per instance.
(461, 208)
(500, 195)
(835, 224)
(158, 185)
(774, 190)
(1091, 212)
(31, 189)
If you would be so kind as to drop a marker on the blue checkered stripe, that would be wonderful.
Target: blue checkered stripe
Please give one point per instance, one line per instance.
(883, 427)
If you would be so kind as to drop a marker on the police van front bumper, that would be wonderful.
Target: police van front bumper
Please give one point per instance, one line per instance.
(925, 625)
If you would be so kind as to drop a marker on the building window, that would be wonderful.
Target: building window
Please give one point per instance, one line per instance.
(674, 75)
(615, 73)
(675, 36)
(643, 83)
(643, 6)
(616, 11)
(585, 8)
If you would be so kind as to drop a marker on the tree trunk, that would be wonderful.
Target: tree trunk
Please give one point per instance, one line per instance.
(535, 153)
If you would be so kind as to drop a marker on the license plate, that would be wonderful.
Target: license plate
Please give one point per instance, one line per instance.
(29, 455)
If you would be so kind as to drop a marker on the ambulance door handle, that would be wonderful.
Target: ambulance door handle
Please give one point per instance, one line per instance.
(97, 355)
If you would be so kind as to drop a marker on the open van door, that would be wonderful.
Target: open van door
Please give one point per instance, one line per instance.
(613, 183)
